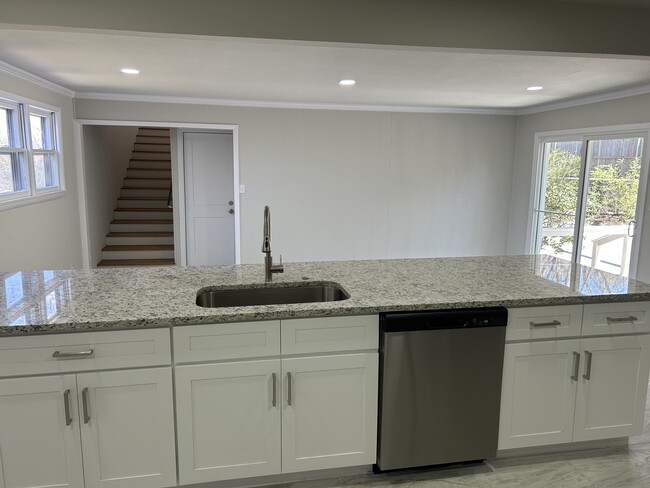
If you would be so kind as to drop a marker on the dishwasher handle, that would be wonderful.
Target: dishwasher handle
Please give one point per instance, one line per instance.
(444, 319)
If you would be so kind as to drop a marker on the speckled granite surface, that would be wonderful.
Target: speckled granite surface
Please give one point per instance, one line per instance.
(63, 301)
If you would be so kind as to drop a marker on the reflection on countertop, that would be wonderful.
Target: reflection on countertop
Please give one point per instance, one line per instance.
(33, 302)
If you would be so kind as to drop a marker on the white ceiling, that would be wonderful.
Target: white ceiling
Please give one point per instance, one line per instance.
(290, 72)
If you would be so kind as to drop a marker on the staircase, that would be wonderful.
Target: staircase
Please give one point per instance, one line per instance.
(142, 233)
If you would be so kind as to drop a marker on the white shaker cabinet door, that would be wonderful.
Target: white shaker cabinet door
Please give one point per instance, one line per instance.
(39, 433)
(538, 393)
(127, 428)
(228, 418)
(329, 415)
(612, 387)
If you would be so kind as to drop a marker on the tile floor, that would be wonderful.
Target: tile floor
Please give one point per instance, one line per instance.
(620, 467)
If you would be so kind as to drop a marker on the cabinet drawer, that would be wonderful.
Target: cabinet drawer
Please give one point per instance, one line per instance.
(543, 322)
(330, 334)
(214, 342)
(62, 353)
(616, 318)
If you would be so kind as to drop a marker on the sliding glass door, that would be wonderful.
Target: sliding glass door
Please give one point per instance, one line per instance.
(590, 200)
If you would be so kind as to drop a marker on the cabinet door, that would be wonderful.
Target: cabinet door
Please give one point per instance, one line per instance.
(329, 412)
(538, 393)
(127, 428)
(612, 387)
(39, 433)
(228, 420)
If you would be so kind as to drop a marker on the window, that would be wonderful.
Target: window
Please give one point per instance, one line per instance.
(29, 152)
(589, 199)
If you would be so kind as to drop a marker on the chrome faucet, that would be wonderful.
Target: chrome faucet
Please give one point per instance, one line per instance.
(269, 267)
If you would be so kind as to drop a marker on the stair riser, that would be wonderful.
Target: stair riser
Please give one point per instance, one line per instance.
(148, 173)
(140, 164)
(150, 155)
(130, 183)
(133, 215)
(138, 241)
(142, 227)
(151, 140)
(151, 147)
(138, 254)
(144, 192)
(153, 132)
(142, 203)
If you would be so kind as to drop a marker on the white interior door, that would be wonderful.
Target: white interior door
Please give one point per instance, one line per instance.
(39, 433)
(209, 198)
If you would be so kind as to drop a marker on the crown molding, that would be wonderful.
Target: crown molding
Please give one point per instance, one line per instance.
(32, 78)
(586, 100)
(291, 105)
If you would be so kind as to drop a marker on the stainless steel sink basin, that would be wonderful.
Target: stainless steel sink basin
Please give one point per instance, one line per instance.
(271, 295)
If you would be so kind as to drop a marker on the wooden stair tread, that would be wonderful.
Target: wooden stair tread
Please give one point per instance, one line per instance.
(162, 199)
(144, 209)
(147, 178)
(140, 234)
(142, 221)
(138, 247)
(136, 262)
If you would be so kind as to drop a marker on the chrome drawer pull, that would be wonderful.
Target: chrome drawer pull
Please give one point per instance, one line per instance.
(274, 401)
(554, 323)
(66, 405)
(617, 320)
(587, 374)
(72, 355)
(84, 401)
(576, 366)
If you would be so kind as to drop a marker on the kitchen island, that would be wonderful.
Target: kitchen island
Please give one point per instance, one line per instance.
(118, 379)
(36, 302)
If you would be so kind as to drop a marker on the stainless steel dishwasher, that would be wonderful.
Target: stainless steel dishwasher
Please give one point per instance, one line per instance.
(440, 386)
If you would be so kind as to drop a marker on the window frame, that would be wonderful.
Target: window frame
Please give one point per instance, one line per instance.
(538, 181)
(24, 108)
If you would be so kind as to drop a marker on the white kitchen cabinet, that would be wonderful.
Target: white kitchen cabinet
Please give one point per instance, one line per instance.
(612, 387)
(127, 428)
(228, 420)
(39, 433)
(538, 393)
(329, 412)
(279, 413)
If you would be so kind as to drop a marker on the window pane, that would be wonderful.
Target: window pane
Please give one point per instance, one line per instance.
(614, 168)
(9, 133)
(559, 202)
(46, 171)
(41, 130)
(13, 176)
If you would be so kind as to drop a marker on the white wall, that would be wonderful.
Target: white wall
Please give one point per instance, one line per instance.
(359, 185)
(43, 235)
(629, 110)
(106, 155)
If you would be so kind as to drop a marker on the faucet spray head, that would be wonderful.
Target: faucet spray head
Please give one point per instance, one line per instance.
(266, 240)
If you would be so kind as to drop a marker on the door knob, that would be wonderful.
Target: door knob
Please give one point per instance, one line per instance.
(230, 202)
(231, 211)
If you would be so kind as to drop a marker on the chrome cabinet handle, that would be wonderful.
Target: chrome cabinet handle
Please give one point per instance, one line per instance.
(72, 355)
(554, 323)
(576, 366)
(289, 389)
(617, 320)
(587, 374)
(274, 400)
(66, 406)
(84, 402)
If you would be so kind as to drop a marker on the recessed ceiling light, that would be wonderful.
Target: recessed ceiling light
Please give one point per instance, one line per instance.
(130, 71)
(535, 88)
(347, 82)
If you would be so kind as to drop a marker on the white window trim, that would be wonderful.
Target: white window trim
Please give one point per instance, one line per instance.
(32, 195)
(642, 130)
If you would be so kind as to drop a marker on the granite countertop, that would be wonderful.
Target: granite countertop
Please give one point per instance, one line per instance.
(36, 302)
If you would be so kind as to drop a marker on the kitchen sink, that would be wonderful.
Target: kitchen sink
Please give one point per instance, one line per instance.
(271, 295)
